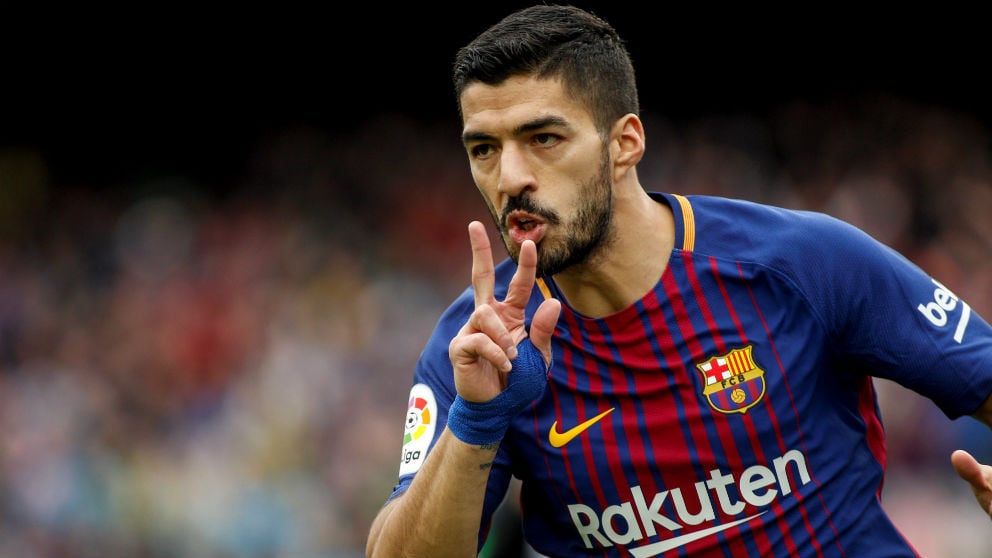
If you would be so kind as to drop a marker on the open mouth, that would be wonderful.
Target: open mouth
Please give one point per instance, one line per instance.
(525, 226)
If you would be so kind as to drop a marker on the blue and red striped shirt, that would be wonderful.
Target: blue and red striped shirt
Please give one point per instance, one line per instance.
(730, 411)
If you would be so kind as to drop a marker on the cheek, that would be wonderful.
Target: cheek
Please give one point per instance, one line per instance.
(579, 176)
(487, 183)
(484, 182)
(483, 188)
(486, 197)
(586, 164)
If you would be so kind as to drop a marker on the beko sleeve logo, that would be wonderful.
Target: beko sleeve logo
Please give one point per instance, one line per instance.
(421, 419)
(943, 307)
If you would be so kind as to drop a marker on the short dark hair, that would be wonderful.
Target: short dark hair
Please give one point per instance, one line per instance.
(561, 41)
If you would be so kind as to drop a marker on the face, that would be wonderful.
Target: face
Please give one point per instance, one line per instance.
(542, 168)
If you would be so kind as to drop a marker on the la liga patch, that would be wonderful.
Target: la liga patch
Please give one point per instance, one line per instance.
(418, 432)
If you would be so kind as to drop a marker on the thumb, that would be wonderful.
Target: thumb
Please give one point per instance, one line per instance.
(542, 326)
(967, 467)
(977, 475)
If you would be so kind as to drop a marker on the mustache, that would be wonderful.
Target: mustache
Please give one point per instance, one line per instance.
(526, 204)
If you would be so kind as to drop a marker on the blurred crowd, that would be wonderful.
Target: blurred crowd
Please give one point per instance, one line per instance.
(185, 374)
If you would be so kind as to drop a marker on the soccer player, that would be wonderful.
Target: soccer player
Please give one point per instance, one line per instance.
(666, 375)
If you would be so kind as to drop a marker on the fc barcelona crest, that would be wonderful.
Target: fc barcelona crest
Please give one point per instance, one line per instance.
(733, 383)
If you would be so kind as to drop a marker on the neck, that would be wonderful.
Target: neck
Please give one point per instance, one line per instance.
(613, 278)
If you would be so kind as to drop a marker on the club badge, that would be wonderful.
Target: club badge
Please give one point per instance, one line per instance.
(732, 383)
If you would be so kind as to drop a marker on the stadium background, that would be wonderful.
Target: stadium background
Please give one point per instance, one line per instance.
(225, 235)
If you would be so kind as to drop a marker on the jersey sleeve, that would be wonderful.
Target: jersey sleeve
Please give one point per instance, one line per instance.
(431, 395)
(890, 318)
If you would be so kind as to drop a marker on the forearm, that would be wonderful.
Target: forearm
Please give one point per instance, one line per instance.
(441, 511)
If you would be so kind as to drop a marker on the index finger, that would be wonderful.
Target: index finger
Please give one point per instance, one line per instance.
(483, 269)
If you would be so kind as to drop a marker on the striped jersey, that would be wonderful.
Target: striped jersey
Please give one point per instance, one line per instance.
(730, 411)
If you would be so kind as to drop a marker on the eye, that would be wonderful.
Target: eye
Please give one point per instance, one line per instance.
(481, 150)
(545, 139)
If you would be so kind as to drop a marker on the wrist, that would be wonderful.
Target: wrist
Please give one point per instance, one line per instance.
(478, 424)
(485, 423)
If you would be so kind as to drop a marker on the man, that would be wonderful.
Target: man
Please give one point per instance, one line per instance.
(691, 376)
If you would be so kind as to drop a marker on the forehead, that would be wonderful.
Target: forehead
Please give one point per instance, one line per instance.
(496, 109)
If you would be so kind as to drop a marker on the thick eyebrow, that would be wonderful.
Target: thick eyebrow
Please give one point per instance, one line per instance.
(530, 126)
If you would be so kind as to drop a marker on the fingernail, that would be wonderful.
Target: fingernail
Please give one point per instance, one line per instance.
(507, 366)
(512, 352)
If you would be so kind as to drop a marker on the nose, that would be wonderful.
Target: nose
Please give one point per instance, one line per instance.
(515, 175)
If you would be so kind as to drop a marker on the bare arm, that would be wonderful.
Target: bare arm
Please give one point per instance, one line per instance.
(979, 476)
(441, 512)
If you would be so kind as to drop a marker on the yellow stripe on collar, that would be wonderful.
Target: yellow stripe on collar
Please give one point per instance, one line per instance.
(544, 288)
(688, 224)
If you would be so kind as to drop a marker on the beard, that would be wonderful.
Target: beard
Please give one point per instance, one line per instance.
(576, 240)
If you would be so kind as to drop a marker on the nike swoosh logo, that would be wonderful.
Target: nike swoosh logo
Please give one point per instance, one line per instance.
(664, 546)
(559, 439)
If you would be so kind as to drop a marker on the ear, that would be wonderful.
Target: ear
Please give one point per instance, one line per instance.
(626, 144)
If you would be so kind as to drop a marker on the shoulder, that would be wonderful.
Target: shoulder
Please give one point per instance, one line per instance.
(765, 233)
(716, 213)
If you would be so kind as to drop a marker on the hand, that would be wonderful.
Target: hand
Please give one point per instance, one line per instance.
(482, 352)
(979, 476)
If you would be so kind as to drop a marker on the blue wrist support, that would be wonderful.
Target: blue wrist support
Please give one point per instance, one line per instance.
(485, 423)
